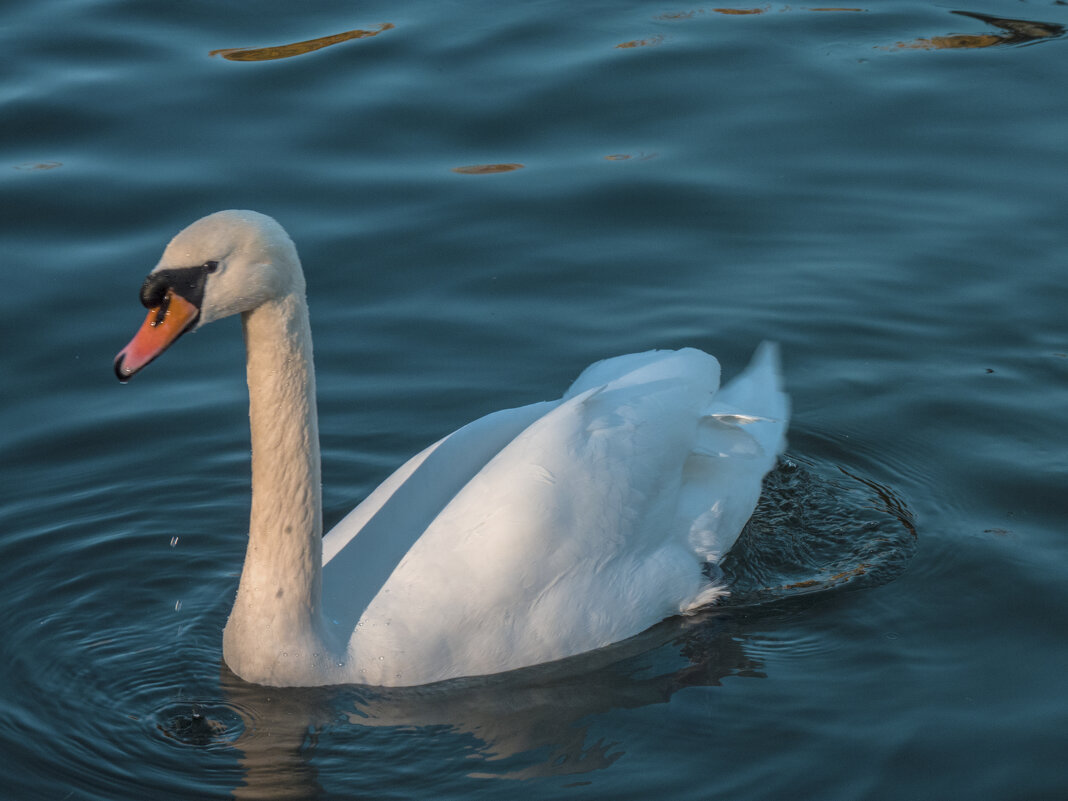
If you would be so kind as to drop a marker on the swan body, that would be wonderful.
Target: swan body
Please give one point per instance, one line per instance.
(529, 535)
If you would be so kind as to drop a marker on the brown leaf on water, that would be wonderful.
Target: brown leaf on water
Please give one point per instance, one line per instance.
(296, 48)
(1014, 32)
(32, 166)
(853, 572)
(651, 42)
(958, 42)
(742, 11)
(486, 169)
(673, 15)
(628, 156)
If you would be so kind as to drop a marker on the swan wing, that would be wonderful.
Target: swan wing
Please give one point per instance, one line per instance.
(391, 519)
(590, 524)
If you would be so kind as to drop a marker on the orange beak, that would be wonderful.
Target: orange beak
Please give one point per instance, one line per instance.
(164, 324)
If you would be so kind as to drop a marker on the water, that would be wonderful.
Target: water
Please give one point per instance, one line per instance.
(880, 189)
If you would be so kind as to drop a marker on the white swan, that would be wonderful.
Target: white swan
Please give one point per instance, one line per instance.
(529, 535)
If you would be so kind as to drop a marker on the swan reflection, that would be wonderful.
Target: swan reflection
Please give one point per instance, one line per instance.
(529, 723)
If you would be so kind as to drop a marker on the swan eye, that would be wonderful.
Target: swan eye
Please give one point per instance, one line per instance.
(211, 266)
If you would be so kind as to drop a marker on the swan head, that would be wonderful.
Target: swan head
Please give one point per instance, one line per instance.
(223, 264)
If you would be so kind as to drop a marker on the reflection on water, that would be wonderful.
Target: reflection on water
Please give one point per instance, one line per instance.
(529, 723)
(536, 722)
(811, 534)
(651, 42)
(38, 166)
(741, 10)
(629, 156)
(486, 169)
(1014, 32)
(680, 15)
(296, 48)
(677, 16)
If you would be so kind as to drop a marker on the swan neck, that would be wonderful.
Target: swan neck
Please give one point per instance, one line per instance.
(286, 487)
(275, 632)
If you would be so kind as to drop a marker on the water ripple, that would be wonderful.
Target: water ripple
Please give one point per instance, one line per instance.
(817, 532)
(205, 724)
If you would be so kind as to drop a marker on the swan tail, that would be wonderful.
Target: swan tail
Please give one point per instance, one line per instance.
(740, 436)
(755, 400)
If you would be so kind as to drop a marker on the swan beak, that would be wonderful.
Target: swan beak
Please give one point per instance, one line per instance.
(164, 324)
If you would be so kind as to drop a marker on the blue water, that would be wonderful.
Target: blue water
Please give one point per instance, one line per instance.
(881, 189)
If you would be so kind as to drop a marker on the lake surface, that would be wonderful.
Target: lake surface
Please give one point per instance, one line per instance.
(487, 197)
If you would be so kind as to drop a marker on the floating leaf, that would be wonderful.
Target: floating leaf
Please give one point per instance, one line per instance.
(763, 10)
(486, 169)
(652, 42)
(296, 48)
(1015, 32)
(627, 156)
(42, 165)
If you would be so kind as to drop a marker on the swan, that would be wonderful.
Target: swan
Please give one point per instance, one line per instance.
(527, 536)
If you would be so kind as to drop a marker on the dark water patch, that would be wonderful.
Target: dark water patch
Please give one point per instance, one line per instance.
(817, 531)
(198, 724)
